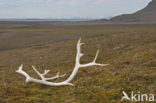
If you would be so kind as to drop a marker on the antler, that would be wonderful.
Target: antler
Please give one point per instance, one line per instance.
(69, 79)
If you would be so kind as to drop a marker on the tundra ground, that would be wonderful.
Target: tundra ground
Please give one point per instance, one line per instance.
(130, 51)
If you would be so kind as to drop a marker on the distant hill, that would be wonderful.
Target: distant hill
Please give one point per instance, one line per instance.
(148, 14)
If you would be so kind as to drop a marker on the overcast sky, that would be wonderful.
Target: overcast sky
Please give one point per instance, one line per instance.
(68, 8)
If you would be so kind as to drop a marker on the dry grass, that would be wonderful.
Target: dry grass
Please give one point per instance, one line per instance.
(131, 53)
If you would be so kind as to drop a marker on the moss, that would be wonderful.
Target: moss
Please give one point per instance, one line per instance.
(132, 66)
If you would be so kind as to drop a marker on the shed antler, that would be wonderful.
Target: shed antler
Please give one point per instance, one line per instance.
(46, 81)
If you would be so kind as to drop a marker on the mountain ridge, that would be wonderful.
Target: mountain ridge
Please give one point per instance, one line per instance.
(147, 14)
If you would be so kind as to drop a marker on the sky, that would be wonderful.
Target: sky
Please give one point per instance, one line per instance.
(92, 9)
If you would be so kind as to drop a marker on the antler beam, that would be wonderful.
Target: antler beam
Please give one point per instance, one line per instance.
(46, 81)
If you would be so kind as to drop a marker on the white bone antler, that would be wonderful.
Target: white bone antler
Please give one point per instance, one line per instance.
(46, 81)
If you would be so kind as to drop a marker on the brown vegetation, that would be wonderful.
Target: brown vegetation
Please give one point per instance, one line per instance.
(130, 51)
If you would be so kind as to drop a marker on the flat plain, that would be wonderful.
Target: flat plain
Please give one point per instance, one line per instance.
(130, 49)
